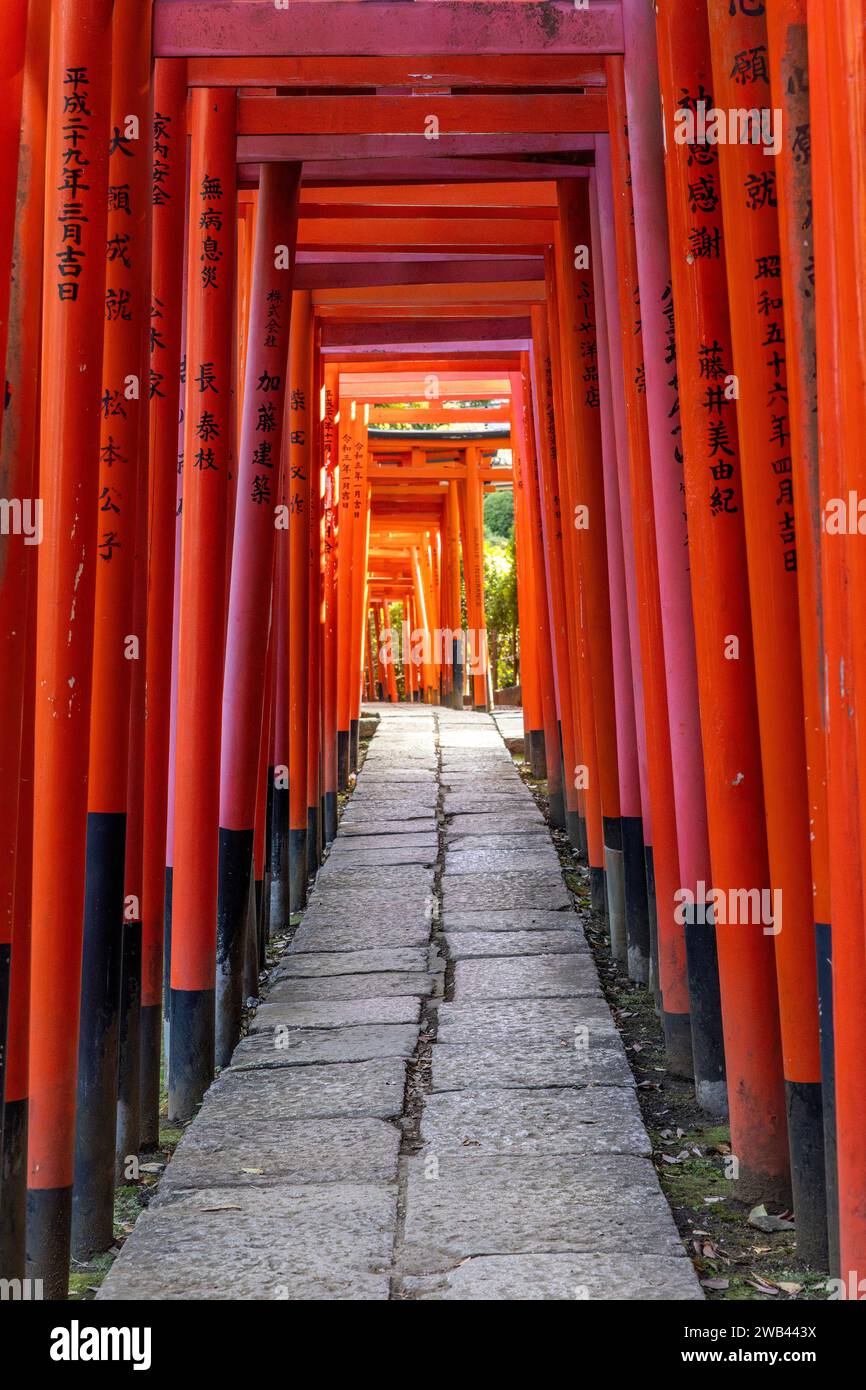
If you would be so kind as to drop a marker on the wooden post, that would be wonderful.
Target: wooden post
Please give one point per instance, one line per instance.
(714, 502)
(202, 597)
(300, 455)
(79, 95)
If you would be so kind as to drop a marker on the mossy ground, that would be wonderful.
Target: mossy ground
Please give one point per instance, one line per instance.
(733, 1259)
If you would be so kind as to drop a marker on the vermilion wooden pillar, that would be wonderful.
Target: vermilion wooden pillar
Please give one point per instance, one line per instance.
(330, 508)
(298, 499)
(573, 242)
(116, 645)
(258, 488)
(452, 561)
(315, 789)
(789, 85)
(563, 468)
(749, 197)
(202, 597)
(617, 510)
(525, 461)
(663, 875)
(168, 205)
(18, 468)
(547, 455)
(13, 36)
(344, 580)
(643, 107)
(714, 502)
(533, 730)
(473, 575)
(360, 502)
(79, 93)
(836, 108)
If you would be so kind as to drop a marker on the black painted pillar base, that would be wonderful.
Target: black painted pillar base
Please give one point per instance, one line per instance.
(193, 1037)
(636, 910)
(824, 953)
(128, 1139)
(614, 876)
(677, 1029)
(806, 1141)
(354, 744)
(96, 1114)
(151, 1048)
(342, 759)
(278, 842)
(297, 871)
(235, 875)
(654, 980)
(330, 817)
(708, 1047)
(313, 860)
(572, 824)
(49, 1222)
(537, 760)
(5, 991)
(13, 1186)
(166, 964)
(597, 893)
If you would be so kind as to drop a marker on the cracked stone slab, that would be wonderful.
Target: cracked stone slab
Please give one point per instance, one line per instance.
(481, 1204)
(364, 828)
(336, 1013)
(364, 844)
(354, 936)
(284, 1047)
(408, 879)
(526, 817)
(520, 1278)
(524, 1021)
(471, 1067)
(369, 819)
(347, 858)
(464, 945)
(487, 803)
(347, 1090)
(531, 837)
(493, 860)
(603, 1119)
(519, 919)
(211, 1154)
(474, 891)
(405, 958)
(330, 1242)
(348, 911)
(385, 792)
(378, 985)
(535, 977)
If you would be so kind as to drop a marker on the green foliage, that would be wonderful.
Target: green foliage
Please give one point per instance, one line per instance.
(499, 515)
(500, 608)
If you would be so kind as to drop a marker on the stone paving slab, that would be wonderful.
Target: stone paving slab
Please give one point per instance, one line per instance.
(509, 1066)
(405, 879)
(365, 827)
(552, 1121)
(331, 1242)
(526, 817)
(351, 911)
(515, 1278)
(277, 1151)
(531, 837)
(378, 985)
(467, 945)
(337, 1013)
(368, 1090)
(481, 861)
(480, 1205)
(424, 855)
(304, 1046)
(551, 1021)
(519, 919)
(474, 891)
(329, 963)
(534, 977)
(389, 843)
(369, 819)
(355, 936)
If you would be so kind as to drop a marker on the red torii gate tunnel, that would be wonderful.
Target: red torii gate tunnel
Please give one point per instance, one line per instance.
(286, 289)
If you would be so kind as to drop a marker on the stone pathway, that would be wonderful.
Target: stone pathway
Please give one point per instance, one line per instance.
(433, 1101)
